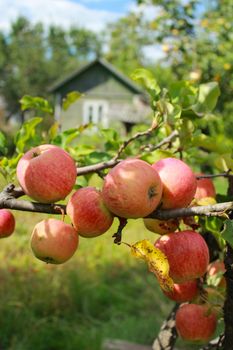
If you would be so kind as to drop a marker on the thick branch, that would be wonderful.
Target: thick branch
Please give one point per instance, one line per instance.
(167, 335)
(8, 199)
(218, 209)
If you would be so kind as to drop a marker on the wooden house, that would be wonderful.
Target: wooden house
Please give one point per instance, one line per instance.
(110, 98)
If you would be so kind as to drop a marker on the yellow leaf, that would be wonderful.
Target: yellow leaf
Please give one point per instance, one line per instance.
(206, 201)
(156, 260)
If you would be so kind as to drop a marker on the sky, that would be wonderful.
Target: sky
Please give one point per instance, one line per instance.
(92, 14)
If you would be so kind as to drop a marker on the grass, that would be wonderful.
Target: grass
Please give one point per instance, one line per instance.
(102, 292)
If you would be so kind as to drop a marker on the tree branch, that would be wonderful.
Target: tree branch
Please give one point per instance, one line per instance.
(8, 199)
(218, 209)
(168, 139)
(167, 335)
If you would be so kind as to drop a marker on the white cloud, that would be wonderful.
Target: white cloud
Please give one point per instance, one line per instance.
(60, 12)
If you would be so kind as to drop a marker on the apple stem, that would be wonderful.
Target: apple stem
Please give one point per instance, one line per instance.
(118, 234)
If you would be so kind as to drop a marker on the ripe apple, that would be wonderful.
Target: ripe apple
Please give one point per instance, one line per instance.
(161, 226)
(215, 268)
(46, 173)
(132, 189)
(195, 322)
(88, 213)
(187, 253)
(7, 223)
(179, 182)
(54, 241)
(205, 188)
(183, 292)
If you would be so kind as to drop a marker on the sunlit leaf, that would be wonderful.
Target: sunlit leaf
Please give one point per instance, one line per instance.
(27, 134)
(146, 78)
(206, 201)
(37, 103)
(156, 260)
(70, 98)
(53, 131)
(207, 98)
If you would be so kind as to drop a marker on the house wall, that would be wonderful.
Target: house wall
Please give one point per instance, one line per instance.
(98, 84)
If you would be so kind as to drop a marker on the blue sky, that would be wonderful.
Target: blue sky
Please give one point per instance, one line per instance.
(92, 14)
(120, 6)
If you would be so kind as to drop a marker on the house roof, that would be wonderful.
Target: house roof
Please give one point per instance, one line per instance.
(116, 73)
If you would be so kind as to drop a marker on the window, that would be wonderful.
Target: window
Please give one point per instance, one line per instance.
(95, 111)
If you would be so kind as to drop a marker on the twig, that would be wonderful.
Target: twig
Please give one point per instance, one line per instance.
(133, 138)
(116, 159)
(207, 176)
(166, 140)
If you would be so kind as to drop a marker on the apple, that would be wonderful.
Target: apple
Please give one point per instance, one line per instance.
(54, 241)
(161, 226)
(7, 223)
(46, 173)
(132, 189)
(88, 213)
(187, 254)
(196, 322)
(217, 268)
(183, 292)
(205, 188)
(179, 182)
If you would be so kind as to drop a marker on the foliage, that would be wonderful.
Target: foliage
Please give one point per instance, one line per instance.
(31, 58)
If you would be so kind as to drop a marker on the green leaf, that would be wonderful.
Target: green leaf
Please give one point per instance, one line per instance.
(70, 98)
(3, 144)
(146, 78)
(53, 131)
(97, 157)
(227, 232)
(110, 134)
(214, 225)
(26, 135)
(207, 98)
(37, 103)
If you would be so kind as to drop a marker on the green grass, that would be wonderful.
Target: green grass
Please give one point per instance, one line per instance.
(102, 292)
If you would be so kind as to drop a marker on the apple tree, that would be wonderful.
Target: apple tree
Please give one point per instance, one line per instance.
(162, 174)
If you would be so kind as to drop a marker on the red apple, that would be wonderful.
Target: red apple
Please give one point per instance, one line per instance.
(132, 189)
(179, 182)
(195, 322)
(88, 213)
(217, 267)
(7, 223)
(183, 292)
(187, 253)
(161, 226)
(47, 173)
(54, 241)
(205, 188)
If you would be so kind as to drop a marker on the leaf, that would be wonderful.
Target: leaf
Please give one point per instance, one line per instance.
(146, 78)
(227, 232)
(70, 98)
(214, 225)
(207, 98)
(3, 144)
(157, 262)
(53, 131)
(37, 103)
(26, 134)
(206, 201)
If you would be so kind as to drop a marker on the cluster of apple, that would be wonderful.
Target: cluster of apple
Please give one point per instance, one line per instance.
(132, 189)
